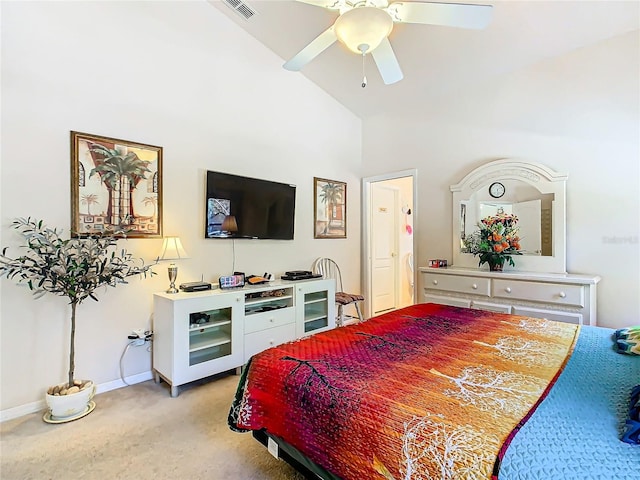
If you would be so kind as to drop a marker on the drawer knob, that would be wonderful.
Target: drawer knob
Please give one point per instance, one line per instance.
(563, 295)
(270, 342)
(271, 319)
(435, 282)
(508, 289)
(474, 286)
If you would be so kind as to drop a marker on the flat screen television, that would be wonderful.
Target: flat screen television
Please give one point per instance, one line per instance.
(244, 207)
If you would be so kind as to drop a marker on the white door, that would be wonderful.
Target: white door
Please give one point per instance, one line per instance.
(530, 223)
(405, 183)
(384, 258)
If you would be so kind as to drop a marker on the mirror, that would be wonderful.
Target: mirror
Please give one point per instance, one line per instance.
(533, 209)
(532, 192)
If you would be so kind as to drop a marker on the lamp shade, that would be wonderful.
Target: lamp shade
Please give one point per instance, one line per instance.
(172, 249)
(362, 29)
(229, 224)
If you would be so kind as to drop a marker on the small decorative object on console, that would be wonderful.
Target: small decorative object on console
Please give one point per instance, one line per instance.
(256, 280)
(231, 281)
(198, 318)
(438, 263)
(299, 275)
(195, 286)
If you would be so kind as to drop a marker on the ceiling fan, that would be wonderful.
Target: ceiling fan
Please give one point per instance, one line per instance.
(364, 27)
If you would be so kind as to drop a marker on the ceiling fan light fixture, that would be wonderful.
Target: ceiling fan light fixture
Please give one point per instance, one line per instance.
(362, 29)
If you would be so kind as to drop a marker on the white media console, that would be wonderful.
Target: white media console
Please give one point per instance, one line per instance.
(199, 334)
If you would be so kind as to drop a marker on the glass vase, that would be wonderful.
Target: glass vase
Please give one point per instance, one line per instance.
(495, 267)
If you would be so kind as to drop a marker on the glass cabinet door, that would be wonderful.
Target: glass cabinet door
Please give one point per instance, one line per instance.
(209, 335)
(316, 306)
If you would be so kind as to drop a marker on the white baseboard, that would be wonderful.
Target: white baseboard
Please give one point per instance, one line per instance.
(15, 412)
(33, 407)
(131, 380)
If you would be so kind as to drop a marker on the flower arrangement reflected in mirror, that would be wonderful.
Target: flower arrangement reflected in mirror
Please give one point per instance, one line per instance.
(496, 241)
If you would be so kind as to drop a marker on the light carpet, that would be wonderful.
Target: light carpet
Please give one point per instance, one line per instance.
(140, 432)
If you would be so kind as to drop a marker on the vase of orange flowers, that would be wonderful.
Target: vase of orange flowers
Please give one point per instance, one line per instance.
(497, 241)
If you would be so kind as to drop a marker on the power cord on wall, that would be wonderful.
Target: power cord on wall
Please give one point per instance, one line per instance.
(138, 338)
(233, 246)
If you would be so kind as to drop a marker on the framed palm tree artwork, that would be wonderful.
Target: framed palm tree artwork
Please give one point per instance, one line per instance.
(116, 186)
(330, 208)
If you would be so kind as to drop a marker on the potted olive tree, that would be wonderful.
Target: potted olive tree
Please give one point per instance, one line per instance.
(74, 268)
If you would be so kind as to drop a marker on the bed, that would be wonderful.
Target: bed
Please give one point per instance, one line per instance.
(433, 391)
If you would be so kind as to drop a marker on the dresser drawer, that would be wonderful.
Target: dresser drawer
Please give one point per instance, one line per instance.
(554, 293)
(273, 318)
(491, 307)
(457, 283)
(259, 341)
(445, 300)
(567, 317)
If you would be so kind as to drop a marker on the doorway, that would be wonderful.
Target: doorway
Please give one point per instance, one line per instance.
(388, 241)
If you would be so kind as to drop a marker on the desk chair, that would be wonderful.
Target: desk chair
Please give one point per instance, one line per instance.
(329, 270)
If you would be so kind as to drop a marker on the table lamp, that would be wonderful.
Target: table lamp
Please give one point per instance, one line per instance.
(172, 250)
(229, 224)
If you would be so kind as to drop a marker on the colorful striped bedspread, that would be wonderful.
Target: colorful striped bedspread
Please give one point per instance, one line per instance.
(426, 392)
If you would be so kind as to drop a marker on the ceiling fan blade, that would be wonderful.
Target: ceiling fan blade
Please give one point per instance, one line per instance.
(448, 14)
(330, 4)
(311, 51)
(387, 63)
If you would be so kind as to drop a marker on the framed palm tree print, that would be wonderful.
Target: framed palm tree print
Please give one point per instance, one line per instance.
(116, 186)
(330, 208)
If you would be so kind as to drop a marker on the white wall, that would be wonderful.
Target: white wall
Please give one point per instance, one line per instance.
(176, 74)
(578, 114)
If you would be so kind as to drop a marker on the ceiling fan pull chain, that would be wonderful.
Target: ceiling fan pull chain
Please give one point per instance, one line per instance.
(364, 76)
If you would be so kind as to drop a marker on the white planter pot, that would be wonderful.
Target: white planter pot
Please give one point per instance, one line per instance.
(69, 407)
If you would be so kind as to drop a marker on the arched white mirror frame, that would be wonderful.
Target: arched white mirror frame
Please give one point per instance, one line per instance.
(537, 175)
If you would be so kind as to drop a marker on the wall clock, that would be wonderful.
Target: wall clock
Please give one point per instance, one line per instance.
(496, 190)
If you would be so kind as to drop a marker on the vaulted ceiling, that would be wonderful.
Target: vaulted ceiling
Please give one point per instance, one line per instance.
(435, 60)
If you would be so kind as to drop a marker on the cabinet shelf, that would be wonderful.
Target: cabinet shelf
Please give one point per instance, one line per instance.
(209, 325)
(253, 301)
(313, 318)
(264, 304)
(210, 353)
(317, 310)
(315, 297)
(315, 324)
(208, 339)
(261, 309)
(316, 300)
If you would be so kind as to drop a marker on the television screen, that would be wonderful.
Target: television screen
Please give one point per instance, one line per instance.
(243, 207)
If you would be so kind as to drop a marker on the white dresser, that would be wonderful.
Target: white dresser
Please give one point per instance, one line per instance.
(563, 297)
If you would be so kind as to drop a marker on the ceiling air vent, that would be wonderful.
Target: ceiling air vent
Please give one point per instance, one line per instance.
(241, 8)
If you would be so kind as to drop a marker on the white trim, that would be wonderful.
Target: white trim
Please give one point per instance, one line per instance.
(34, 407)
(366, 226)
(131, 380)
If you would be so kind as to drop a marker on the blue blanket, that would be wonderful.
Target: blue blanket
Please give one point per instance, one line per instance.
(575, 432)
